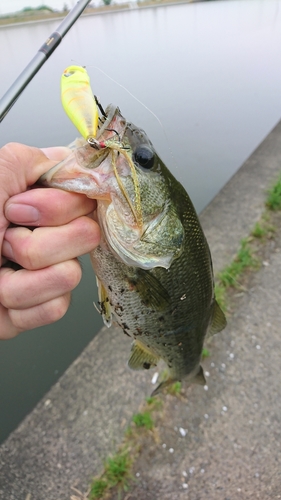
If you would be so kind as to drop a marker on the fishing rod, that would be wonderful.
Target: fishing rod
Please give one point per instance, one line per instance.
(40, 58)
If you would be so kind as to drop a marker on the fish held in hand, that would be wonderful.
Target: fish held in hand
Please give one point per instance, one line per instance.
(153, 264)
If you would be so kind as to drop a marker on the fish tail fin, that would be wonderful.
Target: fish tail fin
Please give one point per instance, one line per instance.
(198, 378)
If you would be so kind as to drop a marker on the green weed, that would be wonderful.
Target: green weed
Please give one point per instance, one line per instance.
(174, 389)
(143, 420)
(259, 231)
(154, 403)
(129, 432)
(244, 259)
(98, 488)
(117, 472)
(220, 293)
(117, 469)
(263, 228)
(205, 353)
(273, 201)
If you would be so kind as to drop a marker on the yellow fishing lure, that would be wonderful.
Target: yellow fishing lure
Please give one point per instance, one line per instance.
(78, 100)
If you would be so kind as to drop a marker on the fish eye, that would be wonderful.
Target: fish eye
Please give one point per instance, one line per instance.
(144, 156)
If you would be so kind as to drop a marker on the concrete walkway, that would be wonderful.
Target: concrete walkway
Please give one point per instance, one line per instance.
(232, 448)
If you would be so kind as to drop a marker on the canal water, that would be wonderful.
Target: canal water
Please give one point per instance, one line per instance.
(209, 71)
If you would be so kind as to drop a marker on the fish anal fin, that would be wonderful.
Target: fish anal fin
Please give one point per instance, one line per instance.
(104, 303)
(218, 321)
(142, 358)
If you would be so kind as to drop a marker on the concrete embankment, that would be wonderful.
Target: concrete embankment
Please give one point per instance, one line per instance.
(231, 448)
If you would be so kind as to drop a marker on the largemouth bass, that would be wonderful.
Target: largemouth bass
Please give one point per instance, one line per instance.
(153, 264)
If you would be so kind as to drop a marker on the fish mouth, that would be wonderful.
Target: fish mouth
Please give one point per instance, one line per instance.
(100, 166)
(88, 167)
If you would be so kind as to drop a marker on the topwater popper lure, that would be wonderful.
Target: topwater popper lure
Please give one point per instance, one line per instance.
(78, 101)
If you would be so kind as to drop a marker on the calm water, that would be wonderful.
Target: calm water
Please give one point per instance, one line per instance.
(210, 71)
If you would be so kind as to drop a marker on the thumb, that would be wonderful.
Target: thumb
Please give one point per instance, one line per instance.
(20, 167)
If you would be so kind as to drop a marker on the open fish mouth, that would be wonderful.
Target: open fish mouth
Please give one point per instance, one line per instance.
(100, 166)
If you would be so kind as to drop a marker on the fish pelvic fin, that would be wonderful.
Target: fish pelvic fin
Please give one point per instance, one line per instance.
(142, 358)
(218, 321)
(104, 303)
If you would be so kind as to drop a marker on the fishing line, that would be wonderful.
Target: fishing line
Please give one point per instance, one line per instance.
(132, 95)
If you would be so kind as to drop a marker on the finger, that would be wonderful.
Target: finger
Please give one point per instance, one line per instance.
(24, 165)
(46, 246)
(14, 321)
(7, 329)
(47, 207)
(24, 289)
(56, 153)
(21, 167)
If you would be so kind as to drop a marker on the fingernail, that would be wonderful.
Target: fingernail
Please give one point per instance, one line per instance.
(22, 214)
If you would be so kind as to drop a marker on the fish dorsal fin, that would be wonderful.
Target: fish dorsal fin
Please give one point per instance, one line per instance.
(141, 357)
(104, 303)
(152, 293)
(218, 321)
(199, 377)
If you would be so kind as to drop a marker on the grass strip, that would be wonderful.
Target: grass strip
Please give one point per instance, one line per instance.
(117, 472)
(273, 201)
(246, 259)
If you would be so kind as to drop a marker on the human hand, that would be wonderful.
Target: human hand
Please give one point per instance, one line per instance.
(39, 293)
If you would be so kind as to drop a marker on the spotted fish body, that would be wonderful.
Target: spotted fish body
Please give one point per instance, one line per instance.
(153, 265)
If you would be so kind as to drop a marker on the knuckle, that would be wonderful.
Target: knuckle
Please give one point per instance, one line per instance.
(65, 275)
(6, 290)
(29, 255)
(7, 329)
(72, 274)
(17, 319)
(55, 309)
(89, 232)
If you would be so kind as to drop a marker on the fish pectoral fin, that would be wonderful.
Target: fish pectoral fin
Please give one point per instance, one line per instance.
(142, 358)
(218, 321)
(199, 377)
(150, 290)
(105, 307)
